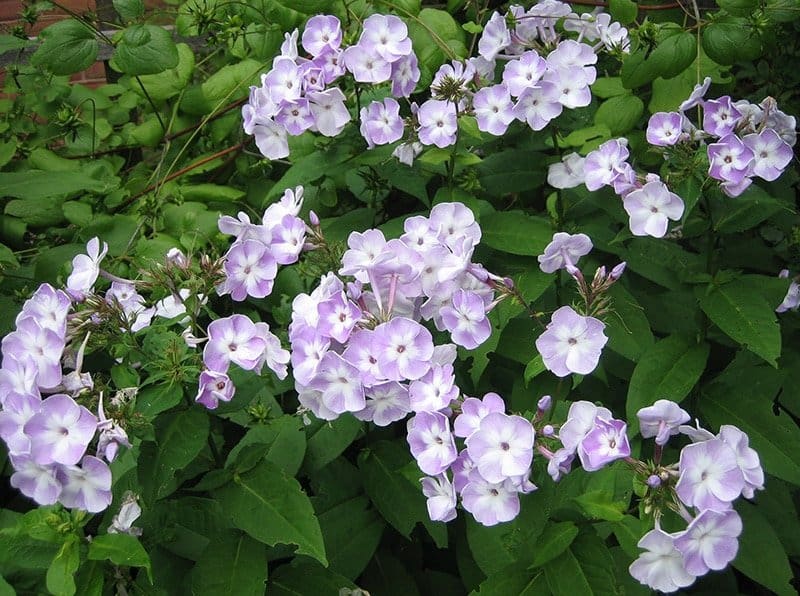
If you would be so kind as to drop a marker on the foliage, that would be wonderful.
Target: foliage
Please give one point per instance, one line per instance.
(258, 493)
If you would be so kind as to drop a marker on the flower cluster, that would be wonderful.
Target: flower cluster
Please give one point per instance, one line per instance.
(296, 94)
(361, 347)
(544, 73)
(251, 263)
(712, 472)
(647, 200)
(46, 430)
(751, 140)
(572, 342)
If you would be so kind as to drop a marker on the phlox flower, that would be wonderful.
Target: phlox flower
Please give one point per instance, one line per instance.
(495, 37)
(233, 339)
(501, 447)
(386, 403)
(381, 123)
(60, 431)
(438, 124)
(328, 110)
(661, 567)
(650, 208)
(431, 442)
(214, 388)
(87, 487)
(563, 250)
(322, 32)
(664, 128)
(710, 475)
(490, 503)
(466, 319)
(441, 496)
(710, 541)
(494, 110)
(571, 343)
(250, 270)
(404, 349)
(473, 410)
(339, 382)
(85, 269)
(661, 420)
(605, 443)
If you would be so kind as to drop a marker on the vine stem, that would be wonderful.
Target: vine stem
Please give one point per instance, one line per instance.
(179, 173)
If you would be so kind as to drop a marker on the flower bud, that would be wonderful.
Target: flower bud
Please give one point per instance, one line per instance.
(548, 430)
(544, 403)
(653, 481)
(617, 271)
(313, 218)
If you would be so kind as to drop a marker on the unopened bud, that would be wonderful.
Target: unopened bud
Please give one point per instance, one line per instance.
(548, 430)
(313, 218)
(545, 403)
(599, 275)
(617, 271)
(653, 481)
(176, 257)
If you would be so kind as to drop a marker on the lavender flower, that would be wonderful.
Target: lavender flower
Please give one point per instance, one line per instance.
(710, 475)
(661, 567)
(664, 128)
(214, 388)
(710, 541)
(650, 208)
(441, 496)
(431, 442)
(571, 343)
(564, 250)
(438, 124)
(501, 447)
(61, 431)
(661, 420)
(381, 123)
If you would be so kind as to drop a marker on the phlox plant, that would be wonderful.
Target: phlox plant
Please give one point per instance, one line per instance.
(477, 323)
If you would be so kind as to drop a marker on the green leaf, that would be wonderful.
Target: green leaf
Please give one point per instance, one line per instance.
(624, 11)
(761, 556)
(400, 502)
(619, 113)
(497, 547)
(233, 564)
(129, 10)
(507, 172)
(352, 531)
(743, 314)
(668, 370)
(306, 576)
(211, 192)
(516, 233)
(675, 51)
(514, 579)
(533, 369)
(272, 508)
(120, 549)
(39, 213)
(145, 49)
(585, 568)
(598, 505)
(436, 37)
(77, 213)
(281, 441)
(68, 46)
(328, 440)
(61, 573)
(660, 261)
(605, 87)
(38, 184)
(171, 82)
(749, 209)
(739, 8)
(6, 589)
(730, 41)
(555, 539)
(9, 43)
(153, 400)
(180, 436)
(565, 576)
(627, 326)
(743, 395)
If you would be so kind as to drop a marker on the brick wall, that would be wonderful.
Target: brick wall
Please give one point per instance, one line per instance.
(9, 17)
